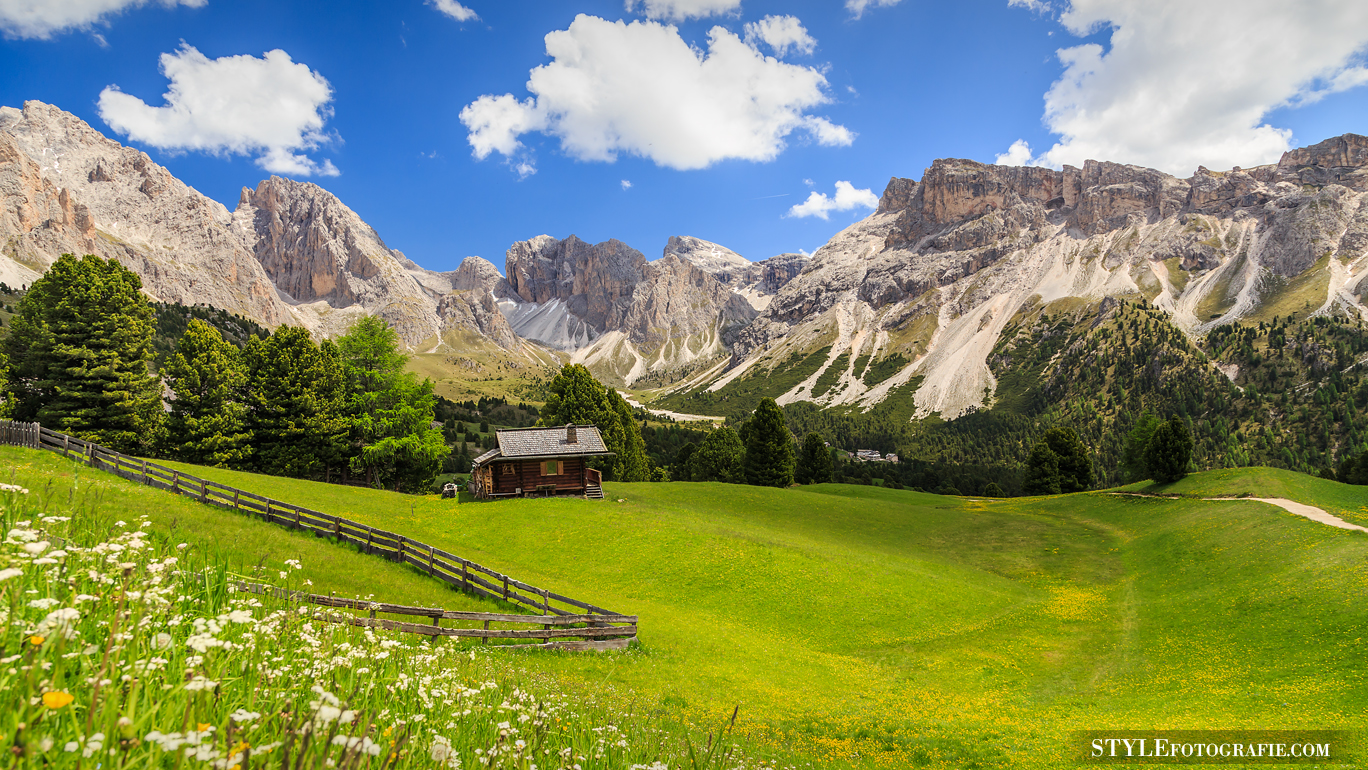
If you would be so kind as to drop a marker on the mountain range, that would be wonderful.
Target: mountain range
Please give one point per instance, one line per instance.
(920, 299)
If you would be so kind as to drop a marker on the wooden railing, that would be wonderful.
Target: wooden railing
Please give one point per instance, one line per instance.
(454, 570)
(591, 631)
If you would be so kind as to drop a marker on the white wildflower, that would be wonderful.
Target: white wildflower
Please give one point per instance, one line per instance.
(12, 572)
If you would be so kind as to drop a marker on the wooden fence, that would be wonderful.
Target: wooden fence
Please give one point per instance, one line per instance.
(454, 570)
(591, 631)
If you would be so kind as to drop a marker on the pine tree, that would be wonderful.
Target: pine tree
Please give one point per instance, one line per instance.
(1059, 464)
(1169, 451)
(721, 457)
(78, 355)
(390, 410)
(1133, 465)
(769, 447)
(207, 423)
(296, 393)
(631, 463)
(814, 464)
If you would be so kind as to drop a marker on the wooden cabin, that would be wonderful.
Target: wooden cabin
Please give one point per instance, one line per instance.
(540, 462)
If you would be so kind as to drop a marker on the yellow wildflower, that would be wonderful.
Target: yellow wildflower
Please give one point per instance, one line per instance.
(203, 727)
(56, 699)
(36, 640)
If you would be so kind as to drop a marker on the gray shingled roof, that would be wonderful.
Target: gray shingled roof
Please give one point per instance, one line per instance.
(487, 456)
(550, 442)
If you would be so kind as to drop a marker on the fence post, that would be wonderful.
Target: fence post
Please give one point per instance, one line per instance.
(400, 540)
(236, 504)
(465, 575)
(431, 551)
(144, 472)
(175, 482)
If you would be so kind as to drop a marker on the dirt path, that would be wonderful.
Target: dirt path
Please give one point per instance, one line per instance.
(1291, 506)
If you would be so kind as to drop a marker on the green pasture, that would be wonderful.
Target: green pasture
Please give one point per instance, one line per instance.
(868, 627)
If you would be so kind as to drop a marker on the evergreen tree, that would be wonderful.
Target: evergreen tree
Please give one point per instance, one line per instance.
(1133, 465)
(993, 490)
(631, 463)
(680, 470)
(769, 447)
(814, 464)
(1059, 464)
(721, 457)
(390, 410)
(78, 355)
(1169, 451)
(296, 406)
(576, 397)
(207, 423)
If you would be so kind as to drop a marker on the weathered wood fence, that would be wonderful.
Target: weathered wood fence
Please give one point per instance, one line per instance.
(454, 570)
(591, 631)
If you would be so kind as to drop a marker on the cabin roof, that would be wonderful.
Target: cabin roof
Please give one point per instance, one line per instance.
(543, 443)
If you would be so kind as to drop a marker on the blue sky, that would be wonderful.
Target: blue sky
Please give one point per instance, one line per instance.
(367, 99)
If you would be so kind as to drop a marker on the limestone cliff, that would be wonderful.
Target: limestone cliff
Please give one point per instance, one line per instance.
(938, 272)
(68, 189)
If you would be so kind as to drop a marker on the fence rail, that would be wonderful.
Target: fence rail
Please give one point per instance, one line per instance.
(592, 631)
(454, 570)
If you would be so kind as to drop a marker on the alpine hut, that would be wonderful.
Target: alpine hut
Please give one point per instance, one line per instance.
(540, 462)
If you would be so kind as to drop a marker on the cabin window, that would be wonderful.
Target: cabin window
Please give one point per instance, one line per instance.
(507, 469)
(553, 468)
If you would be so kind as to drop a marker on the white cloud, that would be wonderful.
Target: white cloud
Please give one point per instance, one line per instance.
(857, 7)
(626, 185)
(1039, 6)
(1019, 154)
(846, 199)
(271, 107)
(40, 19)
(679, 10)
(1187, 84)
(780, 33)
(640, 89)
(453, 9)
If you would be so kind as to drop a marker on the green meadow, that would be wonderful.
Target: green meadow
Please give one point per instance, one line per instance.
(865, 627)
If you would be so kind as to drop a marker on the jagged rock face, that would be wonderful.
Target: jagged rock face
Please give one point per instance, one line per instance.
(478, 274)
(316, 249)
(116, 203)
(720, 262)
(476, 310)
(676, 300)
(945, 263)
(777, 271)
(596, 282)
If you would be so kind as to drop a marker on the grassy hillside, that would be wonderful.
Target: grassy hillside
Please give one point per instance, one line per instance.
(877, 628)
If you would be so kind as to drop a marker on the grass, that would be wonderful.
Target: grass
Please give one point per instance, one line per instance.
(869, 627)
(1347, 501)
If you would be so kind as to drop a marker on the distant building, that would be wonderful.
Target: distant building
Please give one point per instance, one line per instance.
(868, 455)
(890, 457)
(540, 462)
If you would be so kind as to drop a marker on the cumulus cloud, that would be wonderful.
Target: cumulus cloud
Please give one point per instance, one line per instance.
(626, 185)
(1184, 84)
(640, 89)
(679, 10)
(1039, 6)
(271, 107)
(1019, 154)
(453, 9)
(846, 199)
(40, 19)
(857, 7)
(780, 33)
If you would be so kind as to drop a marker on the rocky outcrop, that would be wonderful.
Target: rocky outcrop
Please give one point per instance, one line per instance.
(316, 249)
(677, 300)
(777, 271)
(595, 282)
(728, 267)
(477, 311)
(68, 189)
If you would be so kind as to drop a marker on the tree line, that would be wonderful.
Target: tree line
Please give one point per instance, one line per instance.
(78, 360)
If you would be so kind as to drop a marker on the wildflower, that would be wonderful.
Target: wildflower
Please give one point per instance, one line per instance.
(162, 640)
(200, 683)
(243, 715)
(240, 616)
(12, 572)
(36, 640)
(71, 746)
(36, 548)
(44, 604)
(55, 699)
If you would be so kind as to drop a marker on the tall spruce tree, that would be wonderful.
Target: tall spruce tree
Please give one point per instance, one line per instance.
(769, 447)
(721, 457)
(1169, 451)
(814, 464)
(1133, 465)
(208, 420)
(390, 410)
(296, 392)
(631, 463)
(1059, 463)
(79, 351)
